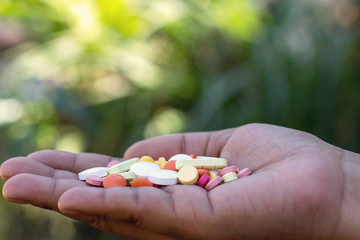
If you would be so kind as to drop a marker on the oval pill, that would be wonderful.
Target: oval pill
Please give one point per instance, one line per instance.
(94, 180)
(227, 170)
(229, 177)
(97, 171)
(188, 175)
(244, 172)
(141, 182)
(181, 157)
(122, 166)
(164, 177)
(216, 181)
(203, 180)
(114, 180)
(143, 169)
(146, 159)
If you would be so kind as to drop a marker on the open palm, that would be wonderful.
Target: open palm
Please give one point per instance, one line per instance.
(297, 188)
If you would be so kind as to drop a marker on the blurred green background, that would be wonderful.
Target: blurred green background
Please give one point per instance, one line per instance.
(96, 76)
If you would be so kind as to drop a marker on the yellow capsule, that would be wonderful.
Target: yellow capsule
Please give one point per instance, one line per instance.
(146, 159)
(158, 163)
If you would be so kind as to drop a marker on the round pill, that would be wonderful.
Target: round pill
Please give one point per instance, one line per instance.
(142, 169)
(112, 163)
(170, 165)
(229, 177)
(227, 170)
(202, 172)
(141, 182)
(203, 180)
(244, 172)
(180, 157)
(164, 177)
(97, 171)
(94, 180)
(114, 180)
(146, 159)
(122, 166)
(216, 181)
(188, 175)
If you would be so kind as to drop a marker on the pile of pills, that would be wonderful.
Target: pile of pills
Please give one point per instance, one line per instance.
(206, 172)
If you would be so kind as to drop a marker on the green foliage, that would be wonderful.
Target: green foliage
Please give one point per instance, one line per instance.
(91, 75)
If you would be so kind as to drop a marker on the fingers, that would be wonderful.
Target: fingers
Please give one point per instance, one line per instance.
(149, 208)
(70, 161)
(19, 165)
(257, 145)
(37, 190)
(203, 143)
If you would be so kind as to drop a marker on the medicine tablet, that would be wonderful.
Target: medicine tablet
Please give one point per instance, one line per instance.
(227, 170)
(112, 163)
(203, 180)
(216, 181)
(123, 166)
(229, 177)
(94, 180)
(164, 177)
(188, 175)
(162, 160)
(180, 157)
(97, 171)
(170, 165)
(146, 159)
(244, 172)
(141, 182)
(202, 172)
(114, 180)
(213, 174)
(129, 176)
(143, 169)
(205, 163)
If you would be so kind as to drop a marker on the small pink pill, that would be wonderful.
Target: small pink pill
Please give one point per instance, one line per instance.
(94, 180)
(213, 183)
(243, 172)
(227, 170)
(203, 180)
(112, 163)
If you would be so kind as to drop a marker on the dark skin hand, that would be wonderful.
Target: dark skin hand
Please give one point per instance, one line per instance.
(301, 188)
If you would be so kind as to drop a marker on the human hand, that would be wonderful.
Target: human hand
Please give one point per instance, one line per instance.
(301, 187)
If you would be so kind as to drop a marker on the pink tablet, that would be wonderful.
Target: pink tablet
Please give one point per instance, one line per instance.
(213, 183)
